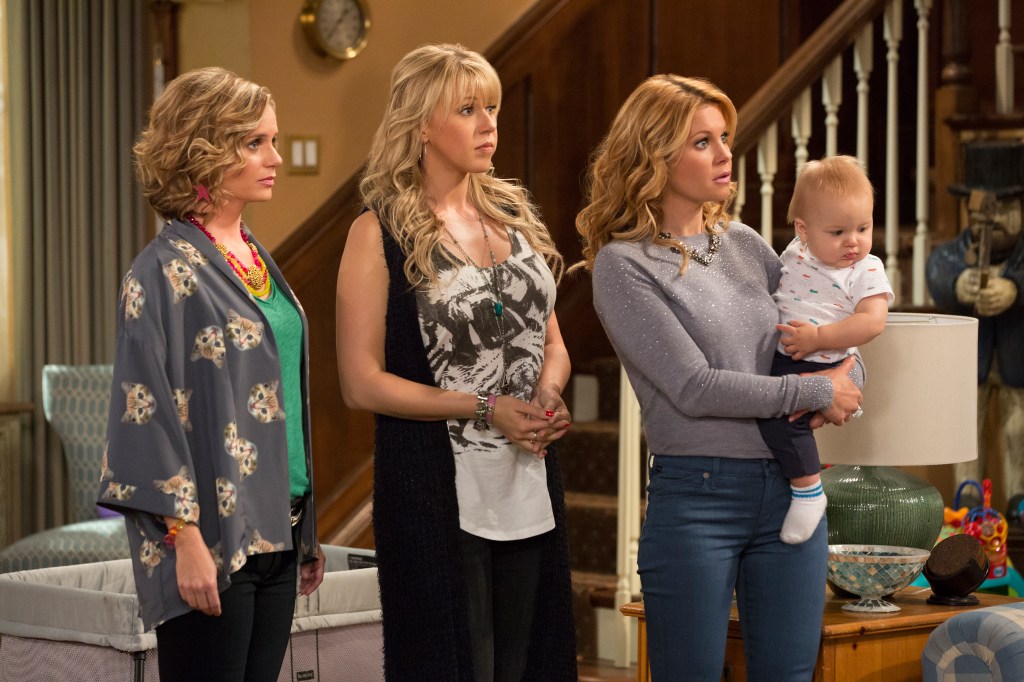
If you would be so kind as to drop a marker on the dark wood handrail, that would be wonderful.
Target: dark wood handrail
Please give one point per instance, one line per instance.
(335, 213)
(523, 28)
(802, 69)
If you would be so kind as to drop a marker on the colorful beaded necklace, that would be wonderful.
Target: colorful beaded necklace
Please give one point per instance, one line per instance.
(256, 278)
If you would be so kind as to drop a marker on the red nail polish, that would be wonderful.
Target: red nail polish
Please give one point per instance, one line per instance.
(549, 413)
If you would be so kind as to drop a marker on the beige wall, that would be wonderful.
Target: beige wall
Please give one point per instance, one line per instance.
(341, 103)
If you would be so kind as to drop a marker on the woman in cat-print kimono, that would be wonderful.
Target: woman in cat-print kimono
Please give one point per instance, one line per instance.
(208, 452)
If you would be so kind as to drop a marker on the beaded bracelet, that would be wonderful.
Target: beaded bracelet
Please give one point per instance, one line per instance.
(172, 533)
(491, 400)
(480, 415)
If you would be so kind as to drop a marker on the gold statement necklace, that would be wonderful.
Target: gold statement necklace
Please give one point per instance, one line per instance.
(255, 277)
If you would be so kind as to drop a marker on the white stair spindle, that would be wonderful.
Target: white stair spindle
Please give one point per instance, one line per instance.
(863, 63)
(739, 174)
(831, 99)
(893, 33)
(1004, 61)
(767, 166)
(628, 582)
(801, 127)
(921, 242)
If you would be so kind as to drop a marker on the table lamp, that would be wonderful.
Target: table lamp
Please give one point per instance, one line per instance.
(920, 407)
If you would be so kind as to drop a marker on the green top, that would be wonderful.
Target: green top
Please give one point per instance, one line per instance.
(286, 326)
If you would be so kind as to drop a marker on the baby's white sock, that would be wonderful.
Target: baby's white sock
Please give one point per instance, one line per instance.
(805, 511)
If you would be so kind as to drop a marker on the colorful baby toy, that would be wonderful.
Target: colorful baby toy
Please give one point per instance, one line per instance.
(983, 522)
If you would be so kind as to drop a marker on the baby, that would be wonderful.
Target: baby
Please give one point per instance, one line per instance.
(833, 297)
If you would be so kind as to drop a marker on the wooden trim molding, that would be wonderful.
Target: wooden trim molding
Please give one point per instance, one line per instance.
(524, 28)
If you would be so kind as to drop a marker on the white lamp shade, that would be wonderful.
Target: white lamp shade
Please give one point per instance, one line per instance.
(920, 398)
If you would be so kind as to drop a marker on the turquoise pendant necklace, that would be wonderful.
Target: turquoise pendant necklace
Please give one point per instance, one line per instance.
(494, 285)
(493, 282)
(499, 307)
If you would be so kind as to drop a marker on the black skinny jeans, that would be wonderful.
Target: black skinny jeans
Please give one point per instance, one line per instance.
(247, 642)
(501, 588)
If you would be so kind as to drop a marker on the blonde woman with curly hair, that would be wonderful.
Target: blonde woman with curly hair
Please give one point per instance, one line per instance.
(208, 451)
(685, 297)
(447, 331)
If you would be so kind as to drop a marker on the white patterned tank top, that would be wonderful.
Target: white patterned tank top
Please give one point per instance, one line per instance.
(501, 488)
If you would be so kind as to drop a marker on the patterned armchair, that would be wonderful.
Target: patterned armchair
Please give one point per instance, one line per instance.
(76, 402)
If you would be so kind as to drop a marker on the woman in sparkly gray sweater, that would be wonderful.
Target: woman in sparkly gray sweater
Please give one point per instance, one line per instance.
(685, 297)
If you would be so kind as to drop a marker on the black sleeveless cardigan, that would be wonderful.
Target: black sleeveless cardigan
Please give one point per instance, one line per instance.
(416, 528)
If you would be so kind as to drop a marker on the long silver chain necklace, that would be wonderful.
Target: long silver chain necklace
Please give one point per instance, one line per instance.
(714, 240)
(494, 285)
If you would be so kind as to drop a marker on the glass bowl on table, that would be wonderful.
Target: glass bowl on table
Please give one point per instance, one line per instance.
(873, 571)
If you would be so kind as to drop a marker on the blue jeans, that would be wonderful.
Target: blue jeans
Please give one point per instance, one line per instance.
(713, 526)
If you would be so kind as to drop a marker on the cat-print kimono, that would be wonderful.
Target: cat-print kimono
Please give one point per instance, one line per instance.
(197, 425)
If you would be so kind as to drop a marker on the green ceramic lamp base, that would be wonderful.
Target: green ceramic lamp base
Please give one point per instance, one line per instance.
(881, 505)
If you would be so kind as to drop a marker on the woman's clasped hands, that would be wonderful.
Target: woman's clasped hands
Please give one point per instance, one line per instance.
(533, 425)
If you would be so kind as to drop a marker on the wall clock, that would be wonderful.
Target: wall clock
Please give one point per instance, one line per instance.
(336, 28)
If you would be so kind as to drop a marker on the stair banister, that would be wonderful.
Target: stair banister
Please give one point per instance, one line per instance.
(921, 236)
(1004, 61)
(892, 32)
(774, 99)
(831, 100)
(863, 65)
(801, 126)
(740, 170)
(820, 57)
(627, 582)
(824, 51)
(767, 167)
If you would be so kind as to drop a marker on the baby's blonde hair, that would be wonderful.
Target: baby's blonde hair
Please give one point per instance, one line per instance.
(834, 176)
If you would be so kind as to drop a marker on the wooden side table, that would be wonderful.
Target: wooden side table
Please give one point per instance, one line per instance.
(854, 646)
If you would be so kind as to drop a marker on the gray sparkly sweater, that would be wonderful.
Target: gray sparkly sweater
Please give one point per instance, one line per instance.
(698, 347)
